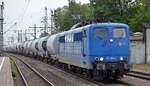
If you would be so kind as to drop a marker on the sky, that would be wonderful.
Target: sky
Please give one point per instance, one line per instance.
(22, 14)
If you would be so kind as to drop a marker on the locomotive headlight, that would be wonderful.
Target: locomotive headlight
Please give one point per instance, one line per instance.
(97, 59)
(121, 58)
(101, 58)
(111, 40)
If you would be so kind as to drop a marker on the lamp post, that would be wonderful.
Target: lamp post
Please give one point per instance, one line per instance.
(1, 26)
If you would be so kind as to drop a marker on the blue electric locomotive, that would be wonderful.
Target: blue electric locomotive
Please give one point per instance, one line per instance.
(109, 50)
(101, 50)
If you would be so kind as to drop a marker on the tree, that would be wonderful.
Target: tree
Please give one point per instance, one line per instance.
(67, 16)
(142, 15)
(110, 8)
(134, 13)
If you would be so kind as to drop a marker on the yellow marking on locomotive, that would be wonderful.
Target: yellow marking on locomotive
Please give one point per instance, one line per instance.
(45, 57)
(55, 58)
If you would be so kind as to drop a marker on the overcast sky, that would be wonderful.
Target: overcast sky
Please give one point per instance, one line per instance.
(25, 13)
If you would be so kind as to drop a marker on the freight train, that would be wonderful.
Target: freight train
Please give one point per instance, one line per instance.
(100, 51)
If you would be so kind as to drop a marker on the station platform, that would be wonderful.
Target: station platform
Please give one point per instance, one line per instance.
(6, 78)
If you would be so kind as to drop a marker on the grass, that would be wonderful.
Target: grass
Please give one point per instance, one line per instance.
(14, 73)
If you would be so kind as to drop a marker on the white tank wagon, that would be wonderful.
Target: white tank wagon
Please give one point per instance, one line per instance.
(42, 46)
(17, 47)
(34, 47)
(29, 48)
(13, 48)
(52, 46)
(25, 48)
(22, 47)
(9, 48)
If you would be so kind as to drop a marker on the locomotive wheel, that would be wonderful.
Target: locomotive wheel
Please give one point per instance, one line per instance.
(89, 74)
(98, 75)
(118, 74)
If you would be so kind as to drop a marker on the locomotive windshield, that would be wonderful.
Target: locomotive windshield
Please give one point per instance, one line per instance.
(100, 32)
(119, 32)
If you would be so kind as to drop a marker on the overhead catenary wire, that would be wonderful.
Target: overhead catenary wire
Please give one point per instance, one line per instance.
(24, 11)
(20, 18)
(10, 28)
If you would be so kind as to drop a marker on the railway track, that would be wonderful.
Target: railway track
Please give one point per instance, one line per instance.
(99, 83)
(22, 76)
(140, 75)
(60, 82)
(30, 76)
(82, 77)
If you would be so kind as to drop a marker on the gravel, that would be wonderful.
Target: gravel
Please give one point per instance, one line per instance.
(61, 78)
(55, 75)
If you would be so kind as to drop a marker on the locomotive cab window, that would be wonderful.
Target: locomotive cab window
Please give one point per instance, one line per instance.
(62, 39)
(78, 36)
(119, 33)
(100, 32)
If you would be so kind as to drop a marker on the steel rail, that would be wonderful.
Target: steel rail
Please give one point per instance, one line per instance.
(137, 75)
(22, 76)
(34, 70)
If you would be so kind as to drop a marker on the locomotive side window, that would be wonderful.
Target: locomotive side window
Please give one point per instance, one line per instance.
(62, 39)
(78, 36)
(119, 32)
(100, 32)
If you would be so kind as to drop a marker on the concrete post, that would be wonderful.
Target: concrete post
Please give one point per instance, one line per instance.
(147, 43)
(34, 31)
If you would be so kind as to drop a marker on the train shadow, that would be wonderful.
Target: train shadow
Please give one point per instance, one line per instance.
(115, 81)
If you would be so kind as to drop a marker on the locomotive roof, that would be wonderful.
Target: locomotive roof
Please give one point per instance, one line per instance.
(111, 24)
(93, 25)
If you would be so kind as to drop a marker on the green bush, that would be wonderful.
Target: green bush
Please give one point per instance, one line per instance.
(14, 73)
